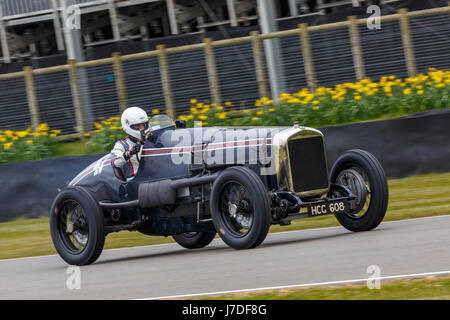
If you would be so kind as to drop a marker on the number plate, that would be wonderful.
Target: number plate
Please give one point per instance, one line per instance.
(331, 207)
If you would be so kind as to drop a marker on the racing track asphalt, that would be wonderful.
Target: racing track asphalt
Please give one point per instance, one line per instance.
(286, 258)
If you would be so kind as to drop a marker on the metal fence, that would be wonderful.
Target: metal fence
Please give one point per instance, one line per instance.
(70, 97)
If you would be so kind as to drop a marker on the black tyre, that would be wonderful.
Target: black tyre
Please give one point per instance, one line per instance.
(194, 240)
(240, 208)
(76, 226)
(361, 172)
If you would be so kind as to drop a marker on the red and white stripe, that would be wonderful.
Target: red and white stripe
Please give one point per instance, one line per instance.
(212, 146)
(151, 152)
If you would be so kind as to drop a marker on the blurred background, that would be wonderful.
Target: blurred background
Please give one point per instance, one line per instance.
(164, 54)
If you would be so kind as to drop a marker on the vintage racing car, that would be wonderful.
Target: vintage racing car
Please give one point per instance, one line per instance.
(196, 182)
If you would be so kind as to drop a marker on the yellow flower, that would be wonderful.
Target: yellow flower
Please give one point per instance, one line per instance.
(52, 135)
(222, 115)
(219, 108)
(272, 109)
(29, 141)
(316, 102)
(204, 123)
(193, 101)
(255, 118)
(56, 131)
(357, 98)
(420, 92)
(258, 104)
(112, 136)
(43, 127)
(8, 145)
(259, 113)
(407, 91)
(22, 134)
(440, 85)
(87, 134)
(3, 139)
(203, 117)
(228, 103)
(155, 111)
(15, 138)
(316, 108)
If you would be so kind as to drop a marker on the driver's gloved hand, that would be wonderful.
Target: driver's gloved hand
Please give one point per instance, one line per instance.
(136, 148)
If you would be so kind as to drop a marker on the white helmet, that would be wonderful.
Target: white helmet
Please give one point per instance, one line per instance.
(131, 117)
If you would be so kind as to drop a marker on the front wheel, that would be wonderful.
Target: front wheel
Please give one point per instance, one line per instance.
(240, 208)
(361, 172)
(76, 226)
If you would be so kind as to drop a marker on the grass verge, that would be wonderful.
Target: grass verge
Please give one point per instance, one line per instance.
(417, 289)
(412, 197)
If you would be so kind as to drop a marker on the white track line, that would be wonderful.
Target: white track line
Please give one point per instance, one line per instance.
(273, 233)
(329, 283)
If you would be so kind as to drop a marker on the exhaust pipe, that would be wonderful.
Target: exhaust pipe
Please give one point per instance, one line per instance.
(159, 193)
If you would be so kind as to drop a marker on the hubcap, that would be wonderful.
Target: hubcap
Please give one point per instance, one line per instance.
(354, 181)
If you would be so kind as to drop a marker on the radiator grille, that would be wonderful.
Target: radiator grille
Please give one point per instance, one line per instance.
(308, 164)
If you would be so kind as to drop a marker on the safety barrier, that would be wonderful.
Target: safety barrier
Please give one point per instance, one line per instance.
(404, 146)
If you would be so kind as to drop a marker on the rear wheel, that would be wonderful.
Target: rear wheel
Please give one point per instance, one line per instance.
(240, 208)
(361, 172)
(76, 226)
(194, 240)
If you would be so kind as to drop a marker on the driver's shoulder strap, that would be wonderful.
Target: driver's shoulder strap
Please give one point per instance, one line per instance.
(124, 144)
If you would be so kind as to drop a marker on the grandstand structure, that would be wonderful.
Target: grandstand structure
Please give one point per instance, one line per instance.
(35, 28)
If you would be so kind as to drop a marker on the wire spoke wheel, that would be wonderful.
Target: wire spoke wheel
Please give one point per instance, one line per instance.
(362, 173)
(77, 226)
(236, 208)
(73, 226)
(240, 208)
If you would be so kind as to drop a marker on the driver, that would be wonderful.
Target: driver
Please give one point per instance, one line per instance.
(127, 152)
